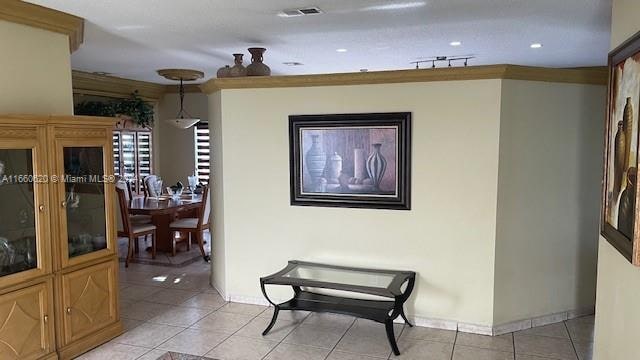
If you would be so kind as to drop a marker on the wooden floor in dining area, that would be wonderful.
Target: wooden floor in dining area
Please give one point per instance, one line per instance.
(173, 313)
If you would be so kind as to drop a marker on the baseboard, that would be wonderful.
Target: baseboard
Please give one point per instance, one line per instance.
(251, 300)
(442, 324)
(220, 292)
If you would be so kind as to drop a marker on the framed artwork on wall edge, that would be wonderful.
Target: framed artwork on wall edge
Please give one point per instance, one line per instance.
(619, 222)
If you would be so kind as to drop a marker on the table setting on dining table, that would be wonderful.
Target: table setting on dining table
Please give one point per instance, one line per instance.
(165, 205)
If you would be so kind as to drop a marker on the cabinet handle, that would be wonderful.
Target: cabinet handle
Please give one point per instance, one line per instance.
(63, 204)
(41, 208)
(69, 310)
(46, 319)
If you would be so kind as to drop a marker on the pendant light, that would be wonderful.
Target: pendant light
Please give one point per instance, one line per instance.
(183, 120)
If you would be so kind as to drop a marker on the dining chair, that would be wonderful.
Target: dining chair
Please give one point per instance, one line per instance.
(194, 226)
(126, 187)
(150, 188)
(132, 230)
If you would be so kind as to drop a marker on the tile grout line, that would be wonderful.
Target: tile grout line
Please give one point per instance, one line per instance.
(200, 291)
(235, 332)
(183, 330)
(281, 341)
(341, 337)
(455, 340)
(573, 345)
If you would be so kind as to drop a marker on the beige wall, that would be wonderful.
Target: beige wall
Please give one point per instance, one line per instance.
(35, 71)
(176, 147)
(548, 198)
(447, 237)
(218, 245)
(618, 295)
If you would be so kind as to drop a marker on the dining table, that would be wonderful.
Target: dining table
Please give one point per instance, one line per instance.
(163, 210)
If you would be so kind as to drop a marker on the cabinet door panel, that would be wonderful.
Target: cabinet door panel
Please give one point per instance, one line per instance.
(26, 331)
(24, 235)
(89, 300)
(84, 199)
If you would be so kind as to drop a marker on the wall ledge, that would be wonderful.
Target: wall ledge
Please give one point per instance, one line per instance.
(44, 18)
(86, 83)
(587, 75)
(110, 86)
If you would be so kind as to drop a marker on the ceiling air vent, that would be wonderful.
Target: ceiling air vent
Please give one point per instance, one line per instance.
(314, 10)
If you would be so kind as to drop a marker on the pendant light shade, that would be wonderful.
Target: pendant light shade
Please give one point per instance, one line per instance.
(183, 119)
(183, 123)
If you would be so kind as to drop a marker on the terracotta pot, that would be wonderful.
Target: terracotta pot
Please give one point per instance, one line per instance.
(257, 67)
(238, 69)
(224, 72)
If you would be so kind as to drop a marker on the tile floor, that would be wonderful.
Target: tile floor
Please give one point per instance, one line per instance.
(173, 313)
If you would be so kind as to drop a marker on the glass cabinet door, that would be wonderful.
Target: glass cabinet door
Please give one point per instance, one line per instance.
(21, 214)
(17, 210)
(83, 197)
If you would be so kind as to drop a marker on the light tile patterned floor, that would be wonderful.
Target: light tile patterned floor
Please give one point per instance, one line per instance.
(173, 313)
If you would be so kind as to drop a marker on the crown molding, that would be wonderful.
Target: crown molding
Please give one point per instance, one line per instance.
(110, 86)
(44, 18)
(592, 75)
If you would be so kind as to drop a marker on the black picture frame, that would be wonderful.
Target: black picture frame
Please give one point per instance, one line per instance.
(367, 196)
(627, 244)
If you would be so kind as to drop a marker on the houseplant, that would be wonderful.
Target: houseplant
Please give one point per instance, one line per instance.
(132, 108)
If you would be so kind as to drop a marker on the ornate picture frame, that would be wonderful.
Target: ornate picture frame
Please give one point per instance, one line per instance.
(620, 191)
(351, 160)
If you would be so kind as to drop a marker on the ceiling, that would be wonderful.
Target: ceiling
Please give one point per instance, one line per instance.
(132, 39)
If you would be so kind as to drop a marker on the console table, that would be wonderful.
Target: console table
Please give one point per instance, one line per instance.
(383, 283)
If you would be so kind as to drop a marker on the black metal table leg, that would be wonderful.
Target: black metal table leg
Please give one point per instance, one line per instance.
(404, 317)
(276, 309)
(273, 320)
(388, 324)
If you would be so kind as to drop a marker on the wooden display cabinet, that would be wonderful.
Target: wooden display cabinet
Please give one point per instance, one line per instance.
(58, 259)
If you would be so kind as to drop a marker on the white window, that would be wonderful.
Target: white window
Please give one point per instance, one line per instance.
(203, 165)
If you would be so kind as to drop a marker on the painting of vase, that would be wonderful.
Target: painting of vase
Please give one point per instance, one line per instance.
(350, 161)
(619, 215)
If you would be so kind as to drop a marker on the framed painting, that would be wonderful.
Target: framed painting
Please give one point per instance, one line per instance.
(351, 160)
(619, 222)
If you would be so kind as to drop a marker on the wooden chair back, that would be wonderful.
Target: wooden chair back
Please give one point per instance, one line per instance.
(150, 186)
(205, 209)
(125, 220)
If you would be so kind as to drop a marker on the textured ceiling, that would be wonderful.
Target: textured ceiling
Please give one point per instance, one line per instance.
(132, 39)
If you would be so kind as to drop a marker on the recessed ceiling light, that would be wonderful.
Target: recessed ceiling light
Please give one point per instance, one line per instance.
(536, 46)
(455, 43)
(397, 6)
(341, 50)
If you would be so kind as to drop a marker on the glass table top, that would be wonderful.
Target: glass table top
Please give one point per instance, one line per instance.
(342, 276)
(387, 283)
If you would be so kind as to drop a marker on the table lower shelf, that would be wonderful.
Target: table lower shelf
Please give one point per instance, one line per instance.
(376, 310)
